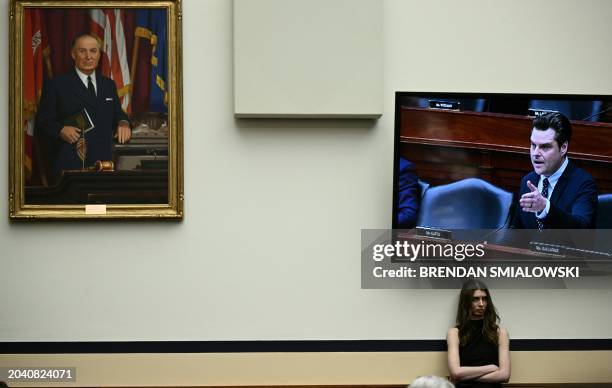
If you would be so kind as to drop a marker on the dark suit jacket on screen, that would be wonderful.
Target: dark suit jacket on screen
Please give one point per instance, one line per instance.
(573, 204)
(66, 95)
(409, 195)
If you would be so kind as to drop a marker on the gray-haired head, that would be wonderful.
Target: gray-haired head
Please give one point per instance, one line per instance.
(431, 382)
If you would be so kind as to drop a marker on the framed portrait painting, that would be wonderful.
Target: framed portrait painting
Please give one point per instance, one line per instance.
(95, 110)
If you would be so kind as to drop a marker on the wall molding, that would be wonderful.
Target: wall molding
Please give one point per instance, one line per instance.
(285, 346)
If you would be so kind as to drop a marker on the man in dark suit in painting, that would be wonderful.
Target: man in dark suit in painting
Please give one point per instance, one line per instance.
(82, 92)
(556, 194)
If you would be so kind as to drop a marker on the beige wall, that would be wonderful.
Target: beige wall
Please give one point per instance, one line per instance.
(269, 248)
(286, 51)
(306, 368)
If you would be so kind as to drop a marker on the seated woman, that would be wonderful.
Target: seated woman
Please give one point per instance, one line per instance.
(478, 348)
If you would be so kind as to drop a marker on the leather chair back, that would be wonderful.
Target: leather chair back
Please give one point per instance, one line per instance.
(467, 204)
(604, 212)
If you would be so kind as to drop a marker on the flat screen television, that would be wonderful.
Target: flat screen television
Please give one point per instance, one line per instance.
(445, 141)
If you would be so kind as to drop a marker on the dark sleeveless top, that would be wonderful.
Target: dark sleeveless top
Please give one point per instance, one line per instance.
(478, 352)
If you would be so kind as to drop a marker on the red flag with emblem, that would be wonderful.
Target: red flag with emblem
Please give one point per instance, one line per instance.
(34, 48)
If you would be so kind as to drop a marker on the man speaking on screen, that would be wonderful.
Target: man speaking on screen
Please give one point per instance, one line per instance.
(556, 194)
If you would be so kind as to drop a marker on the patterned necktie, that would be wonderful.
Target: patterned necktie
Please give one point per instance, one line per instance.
(90, 86)
(544, 193)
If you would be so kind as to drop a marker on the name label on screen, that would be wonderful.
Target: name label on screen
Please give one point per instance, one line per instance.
(548, 249)
(446, 105)
(433, 233)
(539, 112)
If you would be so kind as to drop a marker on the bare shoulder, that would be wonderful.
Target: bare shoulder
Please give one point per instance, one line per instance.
(453, 332)
(502, 335)
(502, 332)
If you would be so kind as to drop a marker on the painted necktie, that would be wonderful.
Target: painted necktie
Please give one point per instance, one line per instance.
(544, 193)
(90, 86)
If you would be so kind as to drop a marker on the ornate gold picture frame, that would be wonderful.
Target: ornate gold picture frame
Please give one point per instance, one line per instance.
(95, 110)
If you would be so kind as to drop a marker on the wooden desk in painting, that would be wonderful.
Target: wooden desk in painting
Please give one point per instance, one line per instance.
(103, 187)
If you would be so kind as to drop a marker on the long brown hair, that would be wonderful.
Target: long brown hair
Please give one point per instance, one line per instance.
(489, 327)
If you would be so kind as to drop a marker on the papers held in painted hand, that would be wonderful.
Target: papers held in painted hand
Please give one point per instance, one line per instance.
(81, 120)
